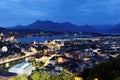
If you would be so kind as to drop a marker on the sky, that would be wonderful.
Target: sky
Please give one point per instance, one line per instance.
(93, 12)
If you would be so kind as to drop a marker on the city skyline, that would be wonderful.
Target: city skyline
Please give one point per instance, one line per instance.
(93, 12)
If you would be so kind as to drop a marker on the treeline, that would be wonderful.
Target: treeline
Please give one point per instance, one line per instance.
(107, 70)
(64, 75)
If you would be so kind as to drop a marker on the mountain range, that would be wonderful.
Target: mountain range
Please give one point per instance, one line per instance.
(55, 26)
(67, 26)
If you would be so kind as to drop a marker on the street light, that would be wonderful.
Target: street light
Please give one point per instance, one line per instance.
(95, 78)
(78, 78)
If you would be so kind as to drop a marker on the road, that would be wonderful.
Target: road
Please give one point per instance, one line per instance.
(17, 58)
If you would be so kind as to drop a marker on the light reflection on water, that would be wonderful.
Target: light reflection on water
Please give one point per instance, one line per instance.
(44, 38)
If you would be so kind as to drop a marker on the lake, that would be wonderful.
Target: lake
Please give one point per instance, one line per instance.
(44, 38)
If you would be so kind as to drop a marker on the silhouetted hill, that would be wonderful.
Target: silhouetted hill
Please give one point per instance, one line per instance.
(114, 29)
(13, 30)
(19, 26)
(3, 29)
(55, 26)
(67, 26)
(103, 28)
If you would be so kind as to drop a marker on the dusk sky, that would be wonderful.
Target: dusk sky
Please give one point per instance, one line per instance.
(15, 12)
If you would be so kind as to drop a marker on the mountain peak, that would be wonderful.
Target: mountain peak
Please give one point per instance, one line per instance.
(117, 25)
(56, 26)
(38, 20)
(66, 23)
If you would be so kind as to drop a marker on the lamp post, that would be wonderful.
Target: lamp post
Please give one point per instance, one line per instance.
(96, 79)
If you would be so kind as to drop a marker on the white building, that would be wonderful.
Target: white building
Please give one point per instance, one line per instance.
(4, 49)
(22, 68)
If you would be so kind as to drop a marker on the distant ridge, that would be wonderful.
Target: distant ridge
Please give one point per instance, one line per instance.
(2, 29)
(115, 29)
(56, 26)
(48, 25)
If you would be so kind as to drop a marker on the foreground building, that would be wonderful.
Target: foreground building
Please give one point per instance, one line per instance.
(22, 68)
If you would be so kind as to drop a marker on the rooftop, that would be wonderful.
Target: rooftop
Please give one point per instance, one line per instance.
(22, 65)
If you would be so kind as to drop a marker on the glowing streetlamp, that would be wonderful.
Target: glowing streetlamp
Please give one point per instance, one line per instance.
(96, 79)
(78, 78)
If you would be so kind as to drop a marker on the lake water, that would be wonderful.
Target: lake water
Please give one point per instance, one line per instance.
(44, 38)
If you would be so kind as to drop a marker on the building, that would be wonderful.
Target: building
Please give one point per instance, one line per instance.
(22, 68)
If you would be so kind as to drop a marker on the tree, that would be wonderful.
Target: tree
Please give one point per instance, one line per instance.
(22, 77)
(56, 77)
(45, 76)
(107, 70)
(64, 75)
(33, 61)
(40, 76)
(117, 78)
(67, 75)
(41, 63)
(23, 54)
(36, 76)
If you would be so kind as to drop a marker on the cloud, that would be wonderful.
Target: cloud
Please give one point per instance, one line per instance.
(76, 11)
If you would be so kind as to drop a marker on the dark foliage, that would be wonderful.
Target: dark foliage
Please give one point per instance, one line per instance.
(108, 70)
